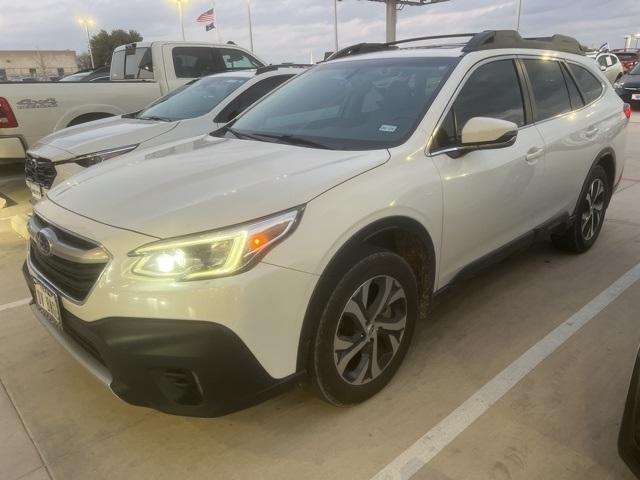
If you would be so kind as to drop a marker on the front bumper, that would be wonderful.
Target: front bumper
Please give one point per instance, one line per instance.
(629, 438)
(182, 367)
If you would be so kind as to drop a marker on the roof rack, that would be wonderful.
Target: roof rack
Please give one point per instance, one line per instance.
(272, 68)
(487, 40)
(492, 39)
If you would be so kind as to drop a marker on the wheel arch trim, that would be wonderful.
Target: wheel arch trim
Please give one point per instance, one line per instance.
(334, 266)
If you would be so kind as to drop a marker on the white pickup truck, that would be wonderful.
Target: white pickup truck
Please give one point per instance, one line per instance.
(140, 73)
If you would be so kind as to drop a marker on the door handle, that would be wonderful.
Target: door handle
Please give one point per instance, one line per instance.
(534, 153)
(591, 132)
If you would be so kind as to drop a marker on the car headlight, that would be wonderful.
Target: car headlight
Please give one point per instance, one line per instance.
(214, 254)
(99, 157)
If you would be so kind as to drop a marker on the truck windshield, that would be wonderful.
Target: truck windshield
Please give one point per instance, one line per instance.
(193, 99)
(353, 105)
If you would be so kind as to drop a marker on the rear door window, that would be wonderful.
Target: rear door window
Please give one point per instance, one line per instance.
(493, 90)
(588, 84)
(195, 62)
(550, 93)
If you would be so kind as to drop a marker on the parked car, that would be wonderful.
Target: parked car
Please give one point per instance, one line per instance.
(628, 87)
(629, 58)
(306, 238)
(197, 108)
(140, 73)
(610, 66)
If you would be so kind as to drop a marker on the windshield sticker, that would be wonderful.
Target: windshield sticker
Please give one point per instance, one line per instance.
(388, 128)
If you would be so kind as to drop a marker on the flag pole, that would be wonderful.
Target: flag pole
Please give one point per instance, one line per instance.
(518, 12)
(250, 27)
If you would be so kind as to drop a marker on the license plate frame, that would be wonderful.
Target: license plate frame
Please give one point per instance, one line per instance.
(48, 302)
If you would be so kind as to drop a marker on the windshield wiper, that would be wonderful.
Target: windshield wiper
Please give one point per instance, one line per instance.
(237, 134)
(295, 140)
(155, 117)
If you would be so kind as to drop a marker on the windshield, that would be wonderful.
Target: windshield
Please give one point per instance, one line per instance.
(635, 70)
(353, 105)
(193, 99)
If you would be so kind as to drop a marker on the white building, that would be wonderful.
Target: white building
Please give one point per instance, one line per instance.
(36, 64)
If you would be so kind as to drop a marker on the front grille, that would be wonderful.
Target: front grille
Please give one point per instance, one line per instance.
(40, 171)
(74, 279)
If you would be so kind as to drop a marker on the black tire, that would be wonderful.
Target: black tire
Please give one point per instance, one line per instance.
(577, 239)
(375, 266)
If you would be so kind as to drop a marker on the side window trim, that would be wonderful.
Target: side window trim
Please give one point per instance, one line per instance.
(568, 77)
(527, 104)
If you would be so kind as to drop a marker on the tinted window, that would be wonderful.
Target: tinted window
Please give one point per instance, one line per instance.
(194, 62)
(492, 90)
(250, 96)
(602, 60)
(236, 59)
(550, 93)
(574, 94)
(194, 99)
(613, 59)
(589, 85)
(360, 104)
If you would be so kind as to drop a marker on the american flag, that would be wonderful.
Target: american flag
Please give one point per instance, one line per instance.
(206, 17)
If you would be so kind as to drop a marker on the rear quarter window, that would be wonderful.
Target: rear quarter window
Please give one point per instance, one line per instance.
(588, 84)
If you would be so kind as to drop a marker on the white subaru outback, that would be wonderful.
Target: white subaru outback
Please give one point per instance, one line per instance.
(305, 239)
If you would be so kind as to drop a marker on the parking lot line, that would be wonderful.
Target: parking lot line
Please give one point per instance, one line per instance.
(435, 440)
(17, 303)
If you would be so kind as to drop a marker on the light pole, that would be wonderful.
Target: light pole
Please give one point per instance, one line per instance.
(518, 12)
(250, 26)
(180, 3)
(335, 22)
(85, 22)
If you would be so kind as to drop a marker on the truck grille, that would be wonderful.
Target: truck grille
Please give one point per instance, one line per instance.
(40, 171)
(73, 278)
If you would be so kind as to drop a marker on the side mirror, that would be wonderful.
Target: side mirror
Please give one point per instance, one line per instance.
(484, 133)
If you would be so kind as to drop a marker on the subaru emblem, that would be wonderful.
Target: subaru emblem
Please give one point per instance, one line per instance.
(44, 241)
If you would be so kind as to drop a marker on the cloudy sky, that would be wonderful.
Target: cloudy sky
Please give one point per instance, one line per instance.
(291, 30)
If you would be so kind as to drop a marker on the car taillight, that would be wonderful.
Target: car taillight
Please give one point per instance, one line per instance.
(627, 110)
(7, 118)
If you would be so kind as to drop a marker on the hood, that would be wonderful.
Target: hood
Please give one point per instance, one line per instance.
(106, 133)
(207, 183)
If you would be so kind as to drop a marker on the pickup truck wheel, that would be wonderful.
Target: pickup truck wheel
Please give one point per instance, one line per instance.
(589, 216)
(365, 329)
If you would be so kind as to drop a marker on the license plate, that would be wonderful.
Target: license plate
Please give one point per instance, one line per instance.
(48, 302)
(36, 190)
(635, 96)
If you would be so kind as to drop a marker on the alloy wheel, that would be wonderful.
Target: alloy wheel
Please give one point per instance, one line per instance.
(370, 330)
(593, 211)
